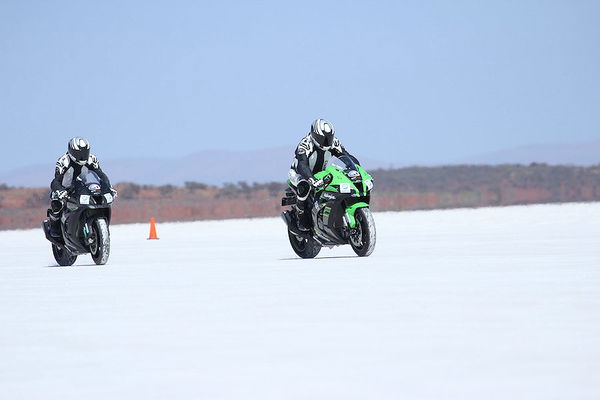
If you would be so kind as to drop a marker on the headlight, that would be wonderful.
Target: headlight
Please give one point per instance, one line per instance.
(353, 175)
(369, 184)
(84, 199)
(108, 198)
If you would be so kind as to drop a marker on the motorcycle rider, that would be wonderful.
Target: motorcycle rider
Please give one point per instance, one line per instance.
(69, 167)
(312, 155)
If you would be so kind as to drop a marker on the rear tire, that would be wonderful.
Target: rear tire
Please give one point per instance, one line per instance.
(100, 249)
(364, 242)
(63, 256)
(304, 247)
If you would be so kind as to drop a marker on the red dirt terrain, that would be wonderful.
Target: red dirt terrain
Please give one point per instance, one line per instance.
(395, 190)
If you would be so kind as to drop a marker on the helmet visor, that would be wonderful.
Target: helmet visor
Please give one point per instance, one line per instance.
(328, 140)
(80, 156)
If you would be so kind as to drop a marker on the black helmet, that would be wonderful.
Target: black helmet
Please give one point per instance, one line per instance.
(79, 150)
(322, 134)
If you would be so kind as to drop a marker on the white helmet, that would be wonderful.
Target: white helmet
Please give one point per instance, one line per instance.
(322, 134)
(79, 150)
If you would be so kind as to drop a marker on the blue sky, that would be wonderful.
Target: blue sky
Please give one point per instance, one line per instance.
(421, 82)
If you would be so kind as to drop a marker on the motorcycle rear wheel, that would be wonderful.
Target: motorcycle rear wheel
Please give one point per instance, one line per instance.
(63, 256)
(304, 247)
(363, 242)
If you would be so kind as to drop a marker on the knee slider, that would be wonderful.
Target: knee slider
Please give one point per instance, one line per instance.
(303, 190)
(56, 206)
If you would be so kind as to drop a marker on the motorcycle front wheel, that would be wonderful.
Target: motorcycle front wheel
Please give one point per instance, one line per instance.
(363, 240)
(100, 247)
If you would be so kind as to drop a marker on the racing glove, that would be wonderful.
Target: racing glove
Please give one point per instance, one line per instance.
(59, 194)
(316, 183)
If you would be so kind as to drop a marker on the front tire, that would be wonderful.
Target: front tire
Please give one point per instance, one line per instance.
(63, 257)
(305, 247)
(363, 241)
(100, 248)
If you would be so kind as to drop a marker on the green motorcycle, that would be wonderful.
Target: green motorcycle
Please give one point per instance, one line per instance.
(340, 211)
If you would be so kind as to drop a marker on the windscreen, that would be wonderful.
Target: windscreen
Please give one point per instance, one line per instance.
(87, 176)
(343, 162)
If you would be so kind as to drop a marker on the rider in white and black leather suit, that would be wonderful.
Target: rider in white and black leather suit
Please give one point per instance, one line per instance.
(69, 167)
(312, 155)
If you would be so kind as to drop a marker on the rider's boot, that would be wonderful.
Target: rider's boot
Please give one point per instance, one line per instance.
(55, 230)
(54, 214)
(302, 216)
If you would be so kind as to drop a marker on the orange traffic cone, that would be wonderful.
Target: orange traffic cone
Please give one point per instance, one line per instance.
(152, 229)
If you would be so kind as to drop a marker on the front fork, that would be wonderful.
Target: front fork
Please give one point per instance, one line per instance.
(350, 213)
(88, 233)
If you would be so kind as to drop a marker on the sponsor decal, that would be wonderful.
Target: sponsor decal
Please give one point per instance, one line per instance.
(345, 187)
(328, 196)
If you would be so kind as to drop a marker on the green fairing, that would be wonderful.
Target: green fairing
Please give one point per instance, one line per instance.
(350, 211)
(339, 177)
(365, 175)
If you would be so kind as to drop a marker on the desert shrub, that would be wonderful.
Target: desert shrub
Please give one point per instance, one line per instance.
(190, 185)
(229, 190)
(38, 199)
(166, 189)
(274, 188)
(128, 191)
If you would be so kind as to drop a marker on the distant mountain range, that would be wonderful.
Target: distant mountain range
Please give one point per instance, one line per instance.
(557, 154)
(219, 166)
(213, 167)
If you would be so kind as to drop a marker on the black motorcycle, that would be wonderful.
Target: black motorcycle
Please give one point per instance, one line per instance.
(85, 221)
